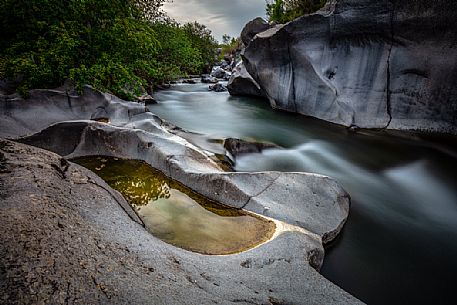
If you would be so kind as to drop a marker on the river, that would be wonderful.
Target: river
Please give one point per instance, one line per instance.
(399, 245)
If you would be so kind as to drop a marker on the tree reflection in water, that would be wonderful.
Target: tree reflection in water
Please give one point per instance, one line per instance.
(137, 181)
(176, 214)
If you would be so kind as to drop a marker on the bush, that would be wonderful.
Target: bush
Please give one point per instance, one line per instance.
(121, 46)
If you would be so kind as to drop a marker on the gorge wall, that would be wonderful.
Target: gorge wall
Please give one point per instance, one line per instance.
(363, 63)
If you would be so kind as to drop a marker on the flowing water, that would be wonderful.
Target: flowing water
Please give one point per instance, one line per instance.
(177, 215)
(399, 245)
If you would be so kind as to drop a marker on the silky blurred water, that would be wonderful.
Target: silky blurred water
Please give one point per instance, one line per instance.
(400, 242)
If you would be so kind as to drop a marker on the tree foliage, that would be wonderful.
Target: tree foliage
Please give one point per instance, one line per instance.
(283, 11)
(121, 46)
(201, 39)
(230, 46)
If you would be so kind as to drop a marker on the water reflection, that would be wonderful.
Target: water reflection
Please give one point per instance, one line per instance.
(177, 215)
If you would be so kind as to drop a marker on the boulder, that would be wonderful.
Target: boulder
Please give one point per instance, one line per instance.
(238, 147)
(225, 64)
(69, 238)
(218, 72)
(147, 99)
(241, 83)
(227, 76)
(369, 63)
(217, 88)
(189, 81)
(163, 86)
(208, 79)
(252, 28)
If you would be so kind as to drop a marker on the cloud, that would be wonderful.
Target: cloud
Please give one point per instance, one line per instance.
(220, 16)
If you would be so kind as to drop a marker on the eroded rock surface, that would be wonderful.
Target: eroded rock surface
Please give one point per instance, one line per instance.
(66, 238)
(369, 63)
(125, 263)
(310, 201)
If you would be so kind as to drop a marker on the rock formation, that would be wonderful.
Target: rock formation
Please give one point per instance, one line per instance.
(66, 238)
(71, 238)
(242, 83)
(364, 63)
(252, 28)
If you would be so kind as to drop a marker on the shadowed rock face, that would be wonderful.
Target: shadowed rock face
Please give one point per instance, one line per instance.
(369, 63)
(242, 83)
(71, 237)
(252, 28)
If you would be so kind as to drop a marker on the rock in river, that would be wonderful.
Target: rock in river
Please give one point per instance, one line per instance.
(218, 72)
(206, 78)
(365, 63)
(241, 83)
(217, 88)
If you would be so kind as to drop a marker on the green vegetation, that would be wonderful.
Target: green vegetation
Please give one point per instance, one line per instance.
(229, 47)
(283, 11)
(202, 40)
(121, 46)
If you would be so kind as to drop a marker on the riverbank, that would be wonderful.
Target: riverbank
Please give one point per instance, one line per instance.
(113, 258)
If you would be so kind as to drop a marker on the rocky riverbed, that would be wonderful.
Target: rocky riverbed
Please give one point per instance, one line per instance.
(68, 237)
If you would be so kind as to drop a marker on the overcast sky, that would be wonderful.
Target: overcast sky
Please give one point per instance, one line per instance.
(220, 16)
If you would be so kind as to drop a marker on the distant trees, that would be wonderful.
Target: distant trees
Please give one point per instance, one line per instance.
(283, 11)
(121, 46)
(202, 40)
(230, 46)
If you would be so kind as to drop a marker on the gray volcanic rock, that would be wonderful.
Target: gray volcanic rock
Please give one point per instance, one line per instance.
(252, 28)
(242, 83)
(368, 63)
(208, 79)
(71, 237)
(19, 117)
(217, 88)
(66, 238)
(218, 72)
(313, 202)
(135, 133)
(237, 147)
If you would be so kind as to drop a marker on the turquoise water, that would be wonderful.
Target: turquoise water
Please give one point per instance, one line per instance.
(400, 241)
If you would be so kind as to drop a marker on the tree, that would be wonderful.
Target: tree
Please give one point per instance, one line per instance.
(275, 11)
(121, 46)
(202, 40)
(283, 11)
(226, 39)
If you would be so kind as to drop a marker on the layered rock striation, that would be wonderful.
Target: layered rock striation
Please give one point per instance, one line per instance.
(368, 64)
